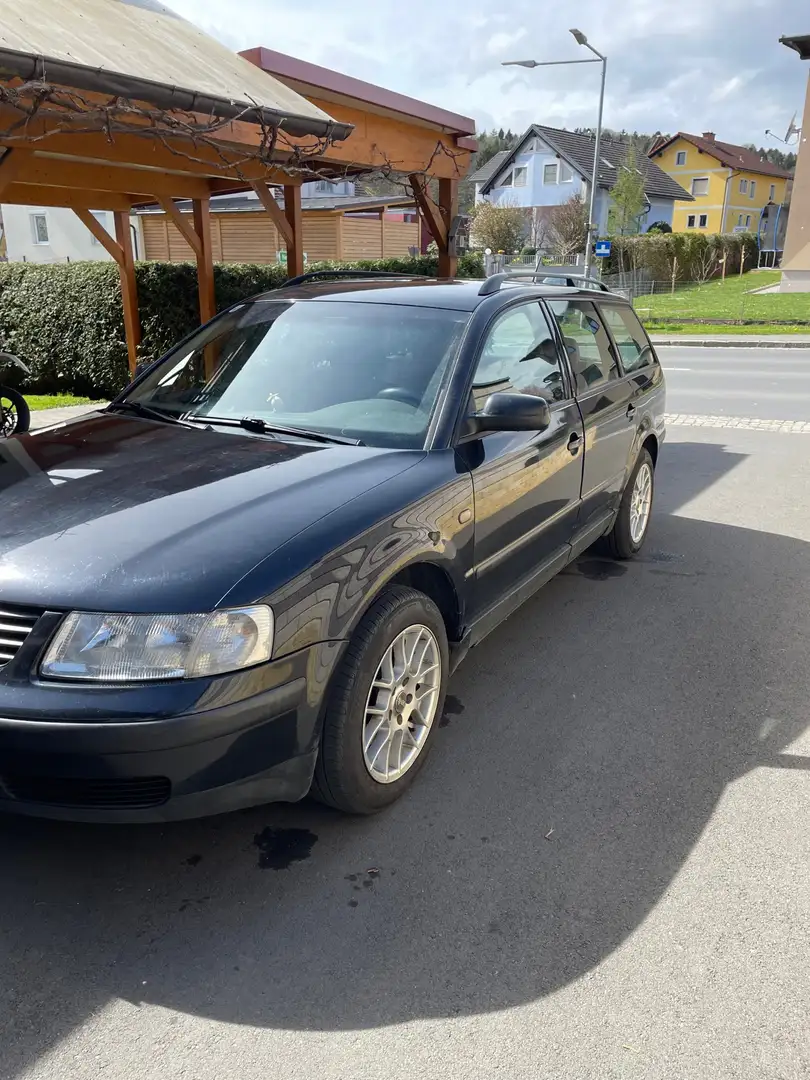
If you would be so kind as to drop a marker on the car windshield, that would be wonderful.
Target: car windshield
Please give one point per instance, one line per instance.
(365, 370)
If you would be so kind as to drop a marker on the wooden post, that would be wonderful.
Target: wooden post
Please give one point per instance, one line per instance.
(205, 259)
(382, 233)
(674, 272)
(121, 250)
(448, 207)
(129, 287)
(295, 246)
(742, 258)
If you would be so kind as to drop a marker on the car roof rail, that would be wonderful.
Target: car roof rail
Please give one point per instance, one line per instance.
(330, 275)
(493, 283)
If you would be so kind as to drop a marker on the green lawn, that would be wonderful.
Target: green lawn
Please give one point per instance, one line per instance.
(665, 326)
(54, 401)
(730, 299)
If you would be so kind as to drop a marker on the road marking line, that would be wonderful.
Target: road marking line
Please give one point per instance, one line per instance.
(668, 368)
(738, 423)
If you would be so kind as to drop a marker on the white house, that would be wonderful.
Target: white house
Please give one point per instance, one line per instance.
(49, 234)
(549, 165)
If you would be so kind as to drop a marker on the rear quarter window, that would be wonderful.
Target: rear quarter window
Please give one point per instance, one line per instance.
(629, 335)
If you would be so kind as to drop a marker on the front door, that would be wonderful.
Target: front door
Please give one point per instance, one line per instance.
(604, 398)
(526, 484)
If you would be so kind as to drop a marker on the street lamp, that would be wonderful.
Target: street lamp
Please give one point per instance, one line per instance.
(580, 39)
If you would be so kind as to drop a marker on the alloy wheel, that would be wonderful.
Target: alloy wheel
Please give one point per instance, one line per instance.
(401, 704)
(640, 503)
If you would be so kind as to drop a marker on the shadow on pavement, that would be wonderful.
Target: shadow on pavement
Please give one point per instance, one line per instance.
(586, 746)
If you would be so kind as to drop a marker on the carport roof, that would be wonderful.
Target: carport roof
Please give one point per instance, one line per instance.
(140, 49)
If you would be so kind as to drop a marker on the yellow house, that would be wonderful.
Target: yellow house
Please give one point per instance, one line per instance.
(730, 184)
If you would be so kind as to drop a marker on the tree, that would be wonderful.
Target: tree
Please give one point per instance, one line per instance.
(498, 226)
(627, 196)
(568, 227)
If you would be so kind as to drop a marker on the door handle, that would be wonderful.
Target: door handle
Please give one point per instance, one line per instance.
(631, 411)
(574, 443)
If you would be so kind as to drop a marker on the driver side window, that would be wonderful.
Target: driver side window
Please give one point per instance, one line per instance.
(519, 355)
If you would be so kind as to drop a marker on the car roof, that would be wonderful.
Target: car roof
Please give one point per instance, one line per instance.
(455, 294)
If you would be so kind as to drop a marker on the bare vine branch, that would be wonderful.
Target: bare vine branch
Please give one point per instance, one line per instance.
(187, 135)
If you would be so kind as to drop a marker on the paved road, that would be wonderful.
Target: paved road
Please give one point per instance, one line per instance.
(768, 384)
(602, 873)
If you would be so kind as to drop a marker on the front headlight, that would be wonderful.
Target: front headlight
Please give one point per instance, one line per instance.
(135, 648)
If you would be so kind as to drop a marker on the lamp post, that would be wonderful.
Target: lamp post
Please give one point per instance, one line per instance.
(580, 39)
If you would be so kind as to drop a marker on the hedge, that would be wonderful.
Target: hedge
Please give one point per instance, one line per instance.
(698, 254)
(65, 321)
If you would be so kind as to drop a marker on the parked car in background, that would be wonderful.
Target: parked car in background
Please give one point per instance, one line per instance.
(252, 575)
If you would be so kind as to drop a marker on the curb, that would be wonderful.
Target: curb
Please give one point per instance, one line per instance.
(724, 343)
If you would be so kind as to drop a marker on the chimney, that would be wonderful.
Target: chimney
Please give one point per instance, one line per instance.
(708, 136)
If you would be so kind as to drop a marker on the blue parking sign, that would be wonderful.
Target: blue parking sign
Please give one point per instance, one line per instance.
(603, 248)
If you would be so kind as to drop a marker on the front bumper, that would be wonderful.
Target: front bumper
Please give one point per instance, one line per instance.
(247, 739)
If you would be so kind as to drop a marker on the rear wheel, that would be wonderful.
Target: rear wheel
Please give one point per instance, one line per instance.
(384, 705)
(15, 417)
(630, 528)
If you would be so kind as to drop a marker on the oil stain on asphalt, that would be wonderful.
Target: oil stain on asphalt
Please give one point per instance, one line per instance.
(280, 848)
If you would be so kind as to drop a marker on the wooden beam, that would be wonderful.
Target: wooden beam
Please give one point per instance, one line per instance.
(448, 208)
(11, 165)
(377, 141)
(101, 234)
(205, 260)
(295, 245)
(64, 173)
(37, 195)
(129, 288)
(274, 210)
(184, 224)
(382, 233)
(431, 214)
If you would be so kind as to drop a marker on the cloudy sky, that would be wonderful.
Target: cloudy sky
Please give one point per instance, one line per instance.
(693, 65)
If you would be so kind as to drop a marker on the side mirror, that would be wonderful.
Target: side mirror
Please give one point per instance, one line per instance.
(512, 412)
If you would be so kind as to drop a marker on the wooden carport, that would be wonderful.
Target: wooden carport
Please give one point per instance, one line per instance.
(93, 116)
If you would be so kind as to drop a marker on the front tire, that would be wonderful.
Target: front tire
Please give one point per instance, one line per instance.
(629, 531)
(15, 416)
(385, 704)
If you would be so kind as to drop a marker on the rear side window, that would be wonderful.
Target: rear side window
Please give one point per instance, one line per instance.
(628, 333)
(586, 342)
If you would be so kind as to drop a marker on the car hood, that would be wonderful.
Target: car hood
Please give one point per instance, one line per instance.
(121, 513)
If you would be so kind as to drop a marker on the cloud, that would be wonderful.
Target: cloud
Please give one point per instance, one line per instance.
(693, 66)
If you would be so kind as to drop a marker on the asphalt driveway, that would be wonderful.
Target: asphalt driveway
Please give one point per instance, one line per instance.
(602, 873)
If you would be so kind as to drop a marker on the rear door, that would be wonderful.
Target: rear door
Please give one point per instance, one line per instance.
(527, 484)
(638, 361)
(604, 397)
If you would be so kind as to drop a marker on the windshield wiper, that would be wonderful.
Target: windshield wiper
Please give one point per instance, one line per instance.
(146, 411)
(255, 423)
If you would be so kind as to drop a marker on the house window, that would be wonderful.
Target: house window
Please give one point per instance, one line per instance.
(515, 177)
(39, 228)
(325, 186)
(703, 221)
(550, 173)
(680, 157)
(700, 186)
(772, 193)
(566, 174)
(752, 189)
(743, 187)
(748, 221)
(101, 218)
(740, 221)
(690, 221)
